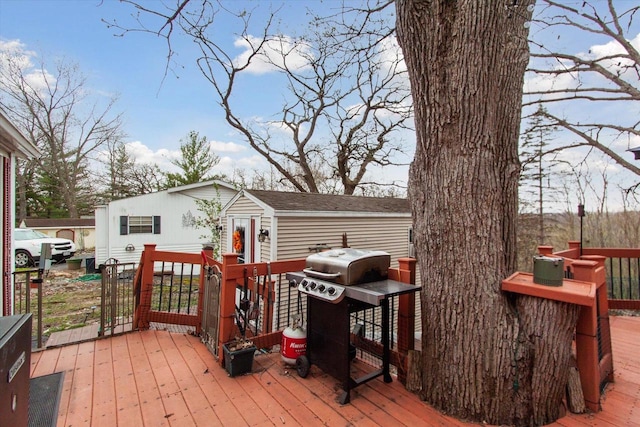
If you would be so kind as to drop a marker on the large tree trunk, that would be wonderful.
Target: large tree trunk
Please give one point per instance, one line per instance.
(484, 353)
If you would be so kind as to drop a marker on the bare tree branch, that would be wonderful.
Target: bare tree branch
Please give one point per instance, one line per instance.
(345, 99)
(607, 76)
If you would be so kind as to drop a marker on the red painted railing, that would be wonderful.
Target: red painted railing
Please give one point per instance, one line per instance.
(235, 276)
(170, 273)
(622, 267)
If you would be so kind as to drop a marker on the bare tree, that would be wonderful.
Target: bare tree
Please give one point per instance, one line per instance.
(345, 99)
(147, 178)
(539, 176)
(606, 75)
(52, 107)
(124, 176)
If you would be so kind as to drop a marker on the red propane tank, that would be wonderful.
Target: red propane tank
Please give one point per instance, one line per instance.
(294, 344)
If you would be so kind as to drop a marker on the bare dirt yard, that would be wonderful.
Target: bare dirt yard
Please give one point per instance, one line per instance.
(70, 299)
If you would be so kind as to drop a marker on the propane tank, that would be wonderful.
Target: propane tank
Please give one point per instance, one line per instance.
(294, 341)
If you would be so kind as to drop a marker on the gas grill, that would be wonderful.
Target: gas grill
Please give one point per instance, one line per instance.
(339, 283)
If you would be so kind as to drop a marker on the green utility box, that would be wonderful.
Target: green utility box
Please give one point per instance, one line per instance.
(548, 270)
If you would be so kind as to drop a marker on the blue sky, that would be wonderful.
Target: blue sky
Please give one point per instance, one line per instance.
(159, 111)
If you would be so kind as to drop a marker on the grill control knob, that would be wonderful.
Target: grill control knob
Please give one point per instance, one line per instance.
(312, 285)
(331, 291)
(321, 288)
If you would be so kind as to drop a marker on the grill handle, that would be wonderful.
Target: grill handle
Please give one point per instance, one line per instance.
(320, 274)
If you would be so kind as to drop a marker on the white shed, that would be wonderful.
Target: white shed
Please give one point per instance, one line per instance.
(164, 218)
(275, 225)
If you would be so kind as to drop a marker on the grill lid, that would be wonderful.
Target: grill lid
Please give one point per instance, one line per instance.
(348, 266)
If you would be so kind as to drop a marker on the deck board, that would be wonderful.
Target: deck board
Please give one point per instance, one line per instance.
(127, 403)
(151, 406)
(81, 398)
(67, 364)
(175, 407)
(104, 395)
(162, 378)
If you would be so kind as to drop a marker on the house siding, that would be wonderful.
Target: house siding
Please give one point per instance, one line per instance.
(389, 234)
(297, 234)
(244, 206)
(177, 209)
(13, 146)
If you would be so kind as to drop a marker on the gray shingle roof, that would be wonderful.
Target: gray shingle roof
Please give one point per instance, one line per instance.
(314, 202)
(59, 222)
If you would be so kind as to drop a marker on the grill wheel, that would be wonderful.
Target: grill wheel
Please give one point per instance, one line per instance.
(303, 366)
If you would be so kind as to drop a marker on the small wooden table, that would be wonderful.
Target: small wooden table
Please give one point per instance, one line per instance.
(571, 291)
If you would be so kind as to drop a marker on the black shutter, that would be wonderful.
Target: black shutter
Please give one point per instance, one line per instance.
(156, 225)
(124, 225)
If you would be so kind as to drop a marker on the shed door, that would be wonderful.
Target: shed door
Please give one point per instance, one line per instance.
(243, 238)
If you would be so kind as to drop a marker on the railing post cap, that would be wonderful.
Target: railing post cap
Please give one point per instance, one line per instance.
(584, 263)
(545, 249)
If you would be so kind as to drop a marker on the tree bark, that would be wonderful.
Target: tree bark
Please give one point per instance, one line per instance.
(484, 352)
(414, 375)
(575, 396)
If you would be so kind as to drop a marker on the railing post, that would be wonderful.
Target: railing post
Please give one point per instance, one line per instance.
(602, 307)
(142, 317)
(574, 245)
(227, 303)
(406, 312)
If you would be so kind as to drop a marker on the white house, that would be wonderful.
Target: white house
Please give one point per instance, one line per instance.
(12, 146)
(165, 218)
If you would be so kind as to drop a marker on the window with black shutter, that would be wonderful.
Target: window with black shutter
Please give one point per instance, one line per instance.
(124, 225)
(139, 225)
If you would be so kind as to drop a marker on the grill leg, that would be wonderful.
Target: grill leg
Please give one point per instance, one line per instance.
(385, 341)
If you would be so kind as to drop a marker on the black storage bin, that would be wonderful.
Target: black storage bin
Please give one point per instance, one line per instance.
(90, 265)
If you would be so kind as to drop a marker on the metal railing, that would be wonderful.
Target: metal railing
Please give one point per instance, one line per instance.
(24, 282)
(622, 275)
(623, 279)
(117, 301)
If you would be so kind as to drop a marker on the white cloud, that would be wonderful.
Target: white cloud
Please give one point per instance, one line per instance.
(143, 154)
(228, 163)
(226, 147)
(389, 52)
(619, 64)
(546, 83)
(14, 55)
(279, 51)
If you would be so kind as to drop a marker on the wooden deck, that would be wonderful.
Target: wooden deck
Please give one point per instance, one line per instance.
(160, 378)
